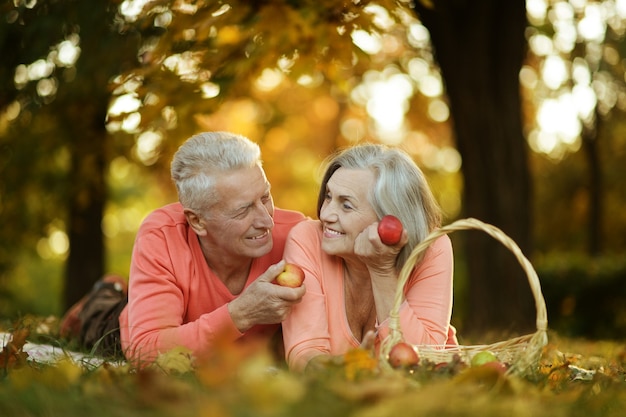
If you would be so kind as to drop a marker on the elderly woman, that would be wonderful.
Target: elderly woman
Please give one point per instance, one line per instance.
(351, 276)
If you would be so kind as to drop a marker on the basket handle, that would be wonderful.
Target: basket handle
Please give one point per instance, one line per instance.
(395, 333)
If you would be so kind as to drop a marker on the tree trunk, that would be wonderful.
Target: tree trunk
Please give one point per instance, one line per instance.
(480, 48)
(594, 222)
(88, 193)
(87, 104)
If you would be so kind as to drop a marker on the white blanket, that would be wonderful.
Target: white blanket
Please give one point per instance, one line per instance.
(49, 354)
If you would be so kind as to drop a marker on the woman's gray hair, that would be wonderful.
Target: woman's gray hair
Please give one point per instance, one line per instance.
(400, 189)
(204, 156)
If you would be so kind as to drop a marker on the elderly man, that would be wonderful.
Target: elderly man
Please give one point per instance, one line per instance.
(202, 268)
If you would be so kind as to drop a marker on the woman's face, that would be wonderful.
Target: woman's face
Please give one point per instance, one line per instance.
(346, 211)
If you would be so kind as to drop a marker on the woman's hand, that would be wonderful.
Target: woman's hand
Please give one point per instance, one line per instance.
(369, 340)
(380, 260)
(377, 256)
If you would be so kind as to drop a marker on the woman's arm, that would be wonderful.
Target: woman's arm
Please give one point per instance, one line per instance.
(425, 314)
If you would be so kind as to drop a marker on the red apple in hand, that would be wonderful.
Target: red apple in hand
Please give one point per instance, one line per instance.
(390, 230)
(403, 355)
(292, 276)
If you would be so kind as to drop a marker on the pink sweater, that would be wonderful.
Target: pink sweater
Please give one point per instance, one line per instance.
(319, 324)
(174, 298)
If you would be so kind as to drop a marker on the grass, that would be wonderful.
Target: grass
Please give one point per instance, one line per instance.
(574, 378)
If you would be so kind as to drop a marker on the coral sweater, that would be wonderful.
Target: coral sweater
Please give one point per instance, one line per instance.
(175, 299)
(319, 325)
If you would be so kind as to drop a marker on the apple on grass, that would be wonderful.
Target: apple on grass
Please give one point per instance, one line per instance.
(292, 276)
(403, 355)
(390, 230)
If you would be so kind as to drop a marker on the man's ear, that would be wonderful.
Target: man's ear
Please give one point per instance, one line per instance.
(195, 221)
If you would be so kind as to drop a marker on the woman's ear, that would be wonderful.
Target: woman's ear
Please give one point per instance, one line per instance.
(195, 221)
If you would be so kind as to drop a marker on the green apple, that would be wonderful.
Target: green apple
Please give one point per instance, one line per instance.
(483, 357)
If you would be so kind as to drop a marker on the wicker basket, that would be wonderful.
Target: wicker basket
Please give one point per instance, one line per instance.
(522, 353)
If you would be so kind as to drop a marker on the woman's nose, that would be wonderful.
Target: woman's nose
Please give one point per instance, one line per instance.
(328, 213)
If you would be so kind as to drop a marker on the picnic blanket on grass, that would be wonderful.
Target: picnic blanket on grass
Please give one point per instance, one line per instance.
(50, 354)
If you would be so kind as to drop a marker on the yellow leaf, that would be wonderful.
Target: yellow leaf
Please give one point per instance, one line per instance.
(178, 360)
(228, 35)
(59, 377)
(357, 362)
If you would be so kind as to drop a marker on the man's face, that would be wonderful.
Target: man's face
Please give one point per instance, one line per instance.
(239, 225)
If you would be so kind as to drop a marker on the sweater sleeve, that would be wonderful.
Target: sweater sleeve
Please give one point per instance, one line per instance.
(426, 311)
(158, 303)
(305, 330)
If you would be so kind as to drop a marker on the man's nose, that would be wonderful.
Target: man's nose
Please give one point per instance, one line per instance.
(264, 217)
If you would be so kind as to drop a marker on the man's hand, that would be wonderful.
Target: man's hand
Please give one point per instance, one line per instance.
(264, 302)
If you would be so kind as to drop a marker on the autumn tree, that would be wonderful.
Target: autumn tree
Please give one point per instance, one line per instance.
(575, 70)
(58, 58)
(480, 48)
(197, 59)
(220, 49)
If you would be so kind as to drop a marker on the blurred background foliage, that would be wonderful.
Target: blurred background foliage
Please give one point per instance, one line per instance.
(96, 97)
